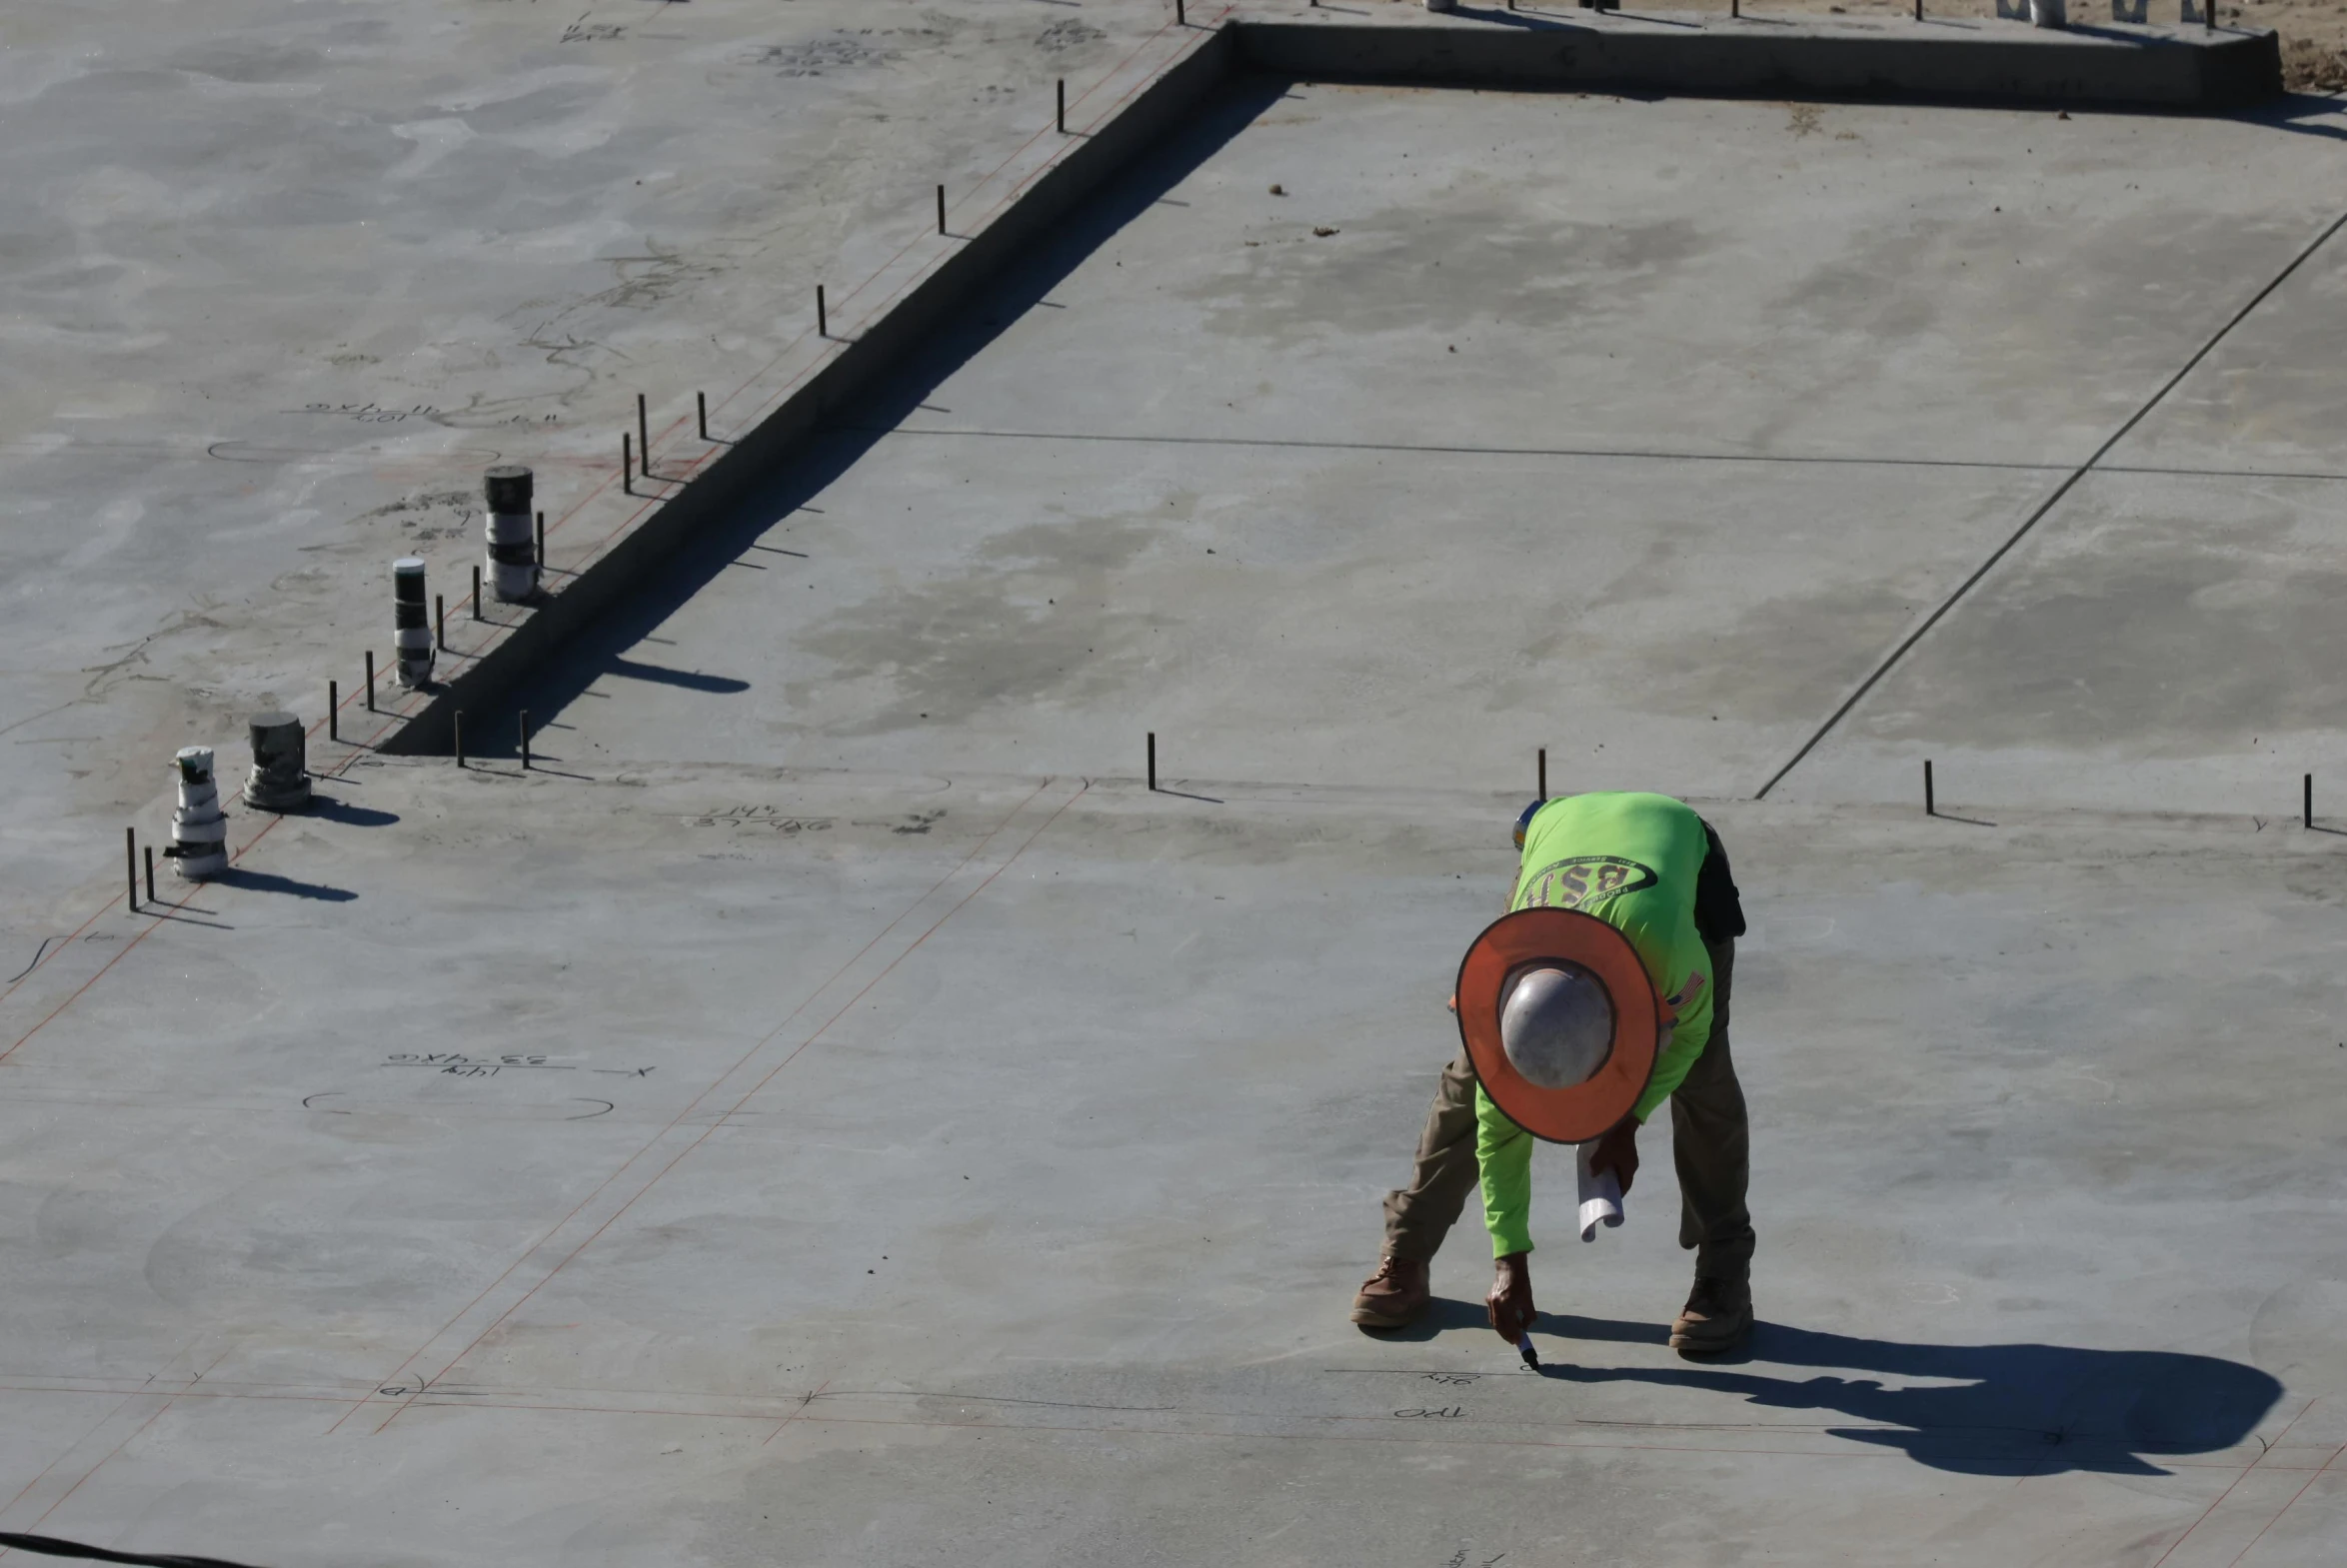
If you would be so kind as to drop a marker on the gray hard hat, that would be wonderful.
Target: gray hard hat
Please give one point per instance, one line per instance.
(1555, 1023)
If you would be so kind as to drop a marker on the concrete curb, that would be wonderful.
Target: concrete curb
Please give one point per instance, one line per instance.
(1978, 62)
(1905, 60)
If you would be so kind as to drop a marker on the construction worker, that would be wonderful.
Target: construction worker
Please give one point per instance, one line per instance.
(1652, 870)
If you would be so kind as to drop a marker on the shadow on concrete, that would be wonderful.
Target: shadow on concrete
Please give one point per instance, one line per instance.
(1982, 1409)
(691, 681)
(565, 674)
(1528, 20)
(333, 811)
(477, 762)
(2091, 30)
(270, 881)
(172, 912)
(2298, 113)
(1657, 20)
(1442, 1315)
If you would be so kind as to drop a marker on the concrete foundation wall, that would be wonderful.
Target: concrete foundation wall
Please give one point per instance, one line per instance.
(2004, 65)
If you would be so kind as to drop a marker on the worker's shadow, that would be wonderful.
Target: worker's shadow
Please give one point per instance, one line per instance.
(1975, 1410)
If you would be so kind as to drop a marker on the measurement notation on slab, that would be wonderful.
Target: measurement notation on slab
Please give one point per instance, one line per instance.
(457, 1064)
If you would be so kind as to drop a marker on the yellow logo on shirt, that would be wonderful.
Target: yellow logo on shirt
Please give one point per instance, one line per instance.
(1583, 878)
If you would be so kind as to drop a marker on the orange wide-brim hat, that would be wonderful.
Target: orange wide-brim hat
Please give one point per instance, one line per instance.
(1583, 1111)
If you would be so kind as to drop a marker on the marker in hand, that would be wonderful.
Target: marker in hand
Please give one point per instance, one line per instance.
(1524, 1347)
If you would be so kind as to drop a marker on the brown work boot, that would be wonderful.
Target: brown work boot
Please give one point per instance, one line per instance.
(1716, 1318)
(1396, 1296)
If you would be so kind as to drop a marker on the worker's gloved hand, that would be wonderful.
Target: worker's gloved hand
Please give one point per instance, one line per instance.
(1617, 1152)
(1510, 1300)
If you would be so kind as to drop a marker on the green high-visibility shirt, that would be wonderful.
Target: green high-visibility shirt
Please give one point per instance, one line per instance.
(1631, 861)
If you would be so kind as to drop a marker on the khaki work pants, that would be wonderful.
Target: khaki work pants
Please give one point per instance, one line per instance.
(1710, 1144)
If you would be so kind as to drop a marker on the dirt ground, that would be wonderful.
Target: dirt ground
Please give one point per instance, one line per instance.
(2314, 32)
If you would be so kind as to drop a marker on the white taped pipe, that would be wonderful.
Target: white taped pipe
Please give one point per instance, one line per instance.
(411, 634)
(199, 829)
(513, 557)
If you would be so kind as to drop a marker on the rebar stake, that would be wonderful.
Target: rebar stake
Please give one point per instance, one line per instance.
(130, 866)
(627, 463)
(1063, 106)
(2307, 811)
(1543, 773)
(149, 852)
(1153, 760)
(822, 320)
(700, 402)
(457, 733)
(370, 680)
(476, 589)
(1931, 807)
(523, 726)
(333, 711)
(941, 209)
(644, 434)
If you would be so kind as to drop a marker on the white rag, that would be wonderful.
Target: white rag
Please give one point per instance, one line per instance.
(1600, 1195)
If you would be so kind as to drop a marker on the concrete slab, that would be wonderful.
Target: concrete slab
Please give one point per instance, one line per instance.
(909, 1240)
(2158, 643)
(2263, 400)
(1810, 281)
(1731, 452)
(1282, 613)
(780, 1127)
(262, 352)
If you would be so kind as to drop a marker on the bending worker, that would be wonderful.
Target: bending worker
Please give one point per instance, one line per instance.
(1568, 1031)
